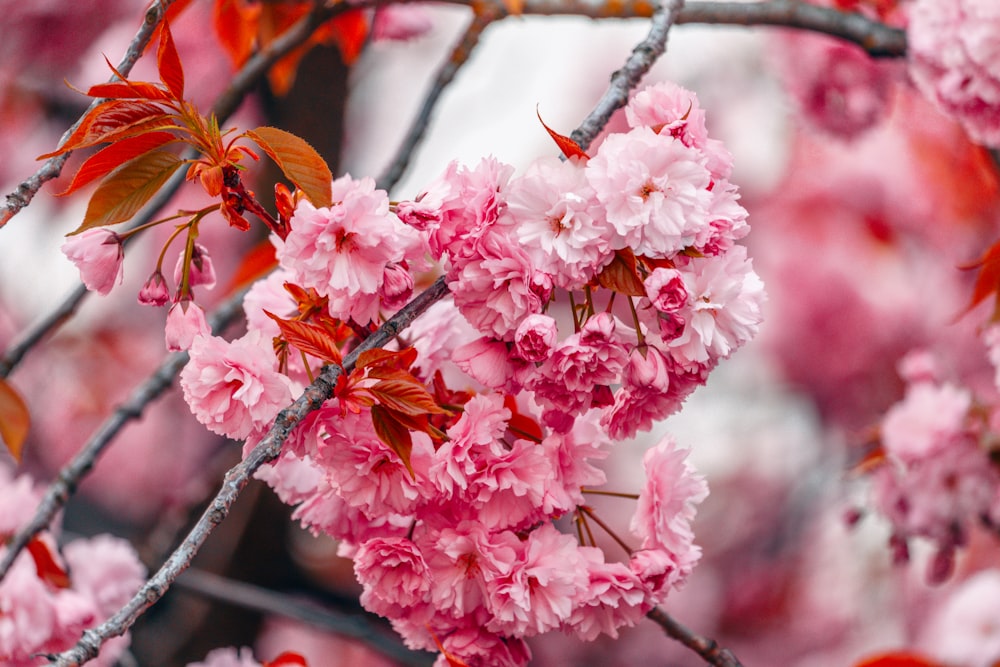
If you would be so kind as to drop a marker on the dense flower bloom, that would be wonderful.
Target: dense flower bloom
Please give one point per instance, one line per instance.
(955, 61)
(98, 254)
(233, 387)
(394, 575)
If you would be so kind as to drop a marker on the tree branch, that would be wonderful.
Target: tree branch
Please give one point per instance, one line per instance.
(73, 472)
(52, 167)
(270, 602)
(482, 18)
(625, 79)
(238, 477)
(703, 646)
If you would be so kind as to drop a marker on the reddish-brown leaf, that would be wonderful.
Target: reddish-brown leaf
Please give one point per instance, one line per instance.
(46, 565)
(621, 275)
(898, 659)
(107, 120)
(390, 431)
(168, 63)
(236, 27)
(288, 659)
(407, 397)
(309, 338)
(298, 161)
(521, 425)
(379, 358)
(110, 158)
(988, 280)
(128, 188)
(14, 419)
(255, 264)
(569, 148)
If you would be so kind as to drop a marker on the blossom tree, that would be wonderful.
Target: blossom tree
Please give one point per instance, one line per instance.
(456, 380)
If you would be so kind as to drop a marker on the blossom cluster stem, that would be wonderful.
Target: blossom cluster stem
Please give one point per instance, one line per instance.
(237, 479)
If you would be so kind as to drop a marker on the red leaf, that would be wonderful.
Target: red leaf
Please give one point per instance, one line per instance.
(236, 27)
(407, 397)
(621, 275)
(108, 120)
(168, 63)
(110, 158)
(129, 90)
(309, 338)
(46, 565)
(521, 425)
(255, 264)
(298, 161)
(128, 188)
(350, 32)
(390, 431)
(287, 659)
(569, 148)
(14, 419)
(988, 280)
(898, 659)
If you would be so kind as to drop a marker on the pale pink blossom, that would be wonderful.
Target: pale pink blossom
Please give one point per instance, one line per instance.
(614, 597)
(666, 506)
(475, 436)
(572, 454)
(228, 657)
(648, 393)
(929, 419)
(954, 58)
(965, 629)
(185, 322)
(395, 577)
(668, 108)
(342, 251)
(495, 286)
(98, 254)
(477, 647)
(655, 191)
(535, 337)
(233, 388)
(201, 271)
(537, 594)
(106, 570)
(723, 310)
(436, 335)
(559, 221)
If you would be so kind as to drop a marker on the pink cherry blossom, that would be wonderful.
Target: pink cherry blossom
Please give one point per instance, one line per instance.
(655, 190)
(665, 289)
(185, 322)
(535, 337)
(233, 387)
(201, 271)
(154, 291)
(342, 251)
(98, 254)
(559, 221)
(614, 597)
(477, 647)
(929, 419)
(648, 394)
(955, 61)
(666, 506)
(395, 577)
(490, 362)
(106, 570)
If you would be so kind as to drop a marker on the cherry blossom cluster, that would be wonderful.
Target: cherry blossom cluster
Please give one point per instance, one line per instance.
(936, 477)
(457, 542)
(50, 596)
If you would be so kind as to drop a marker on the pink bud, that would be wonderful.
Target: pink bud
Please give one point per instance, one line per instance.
(185, 322)
(98, 254)
(665, 289)
(535, 337)
(154, 292)
(648, 371)
(202, 272)
(397, 286)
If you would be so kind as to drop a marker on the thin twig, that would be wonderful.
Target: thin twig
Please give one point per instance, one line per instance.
(625, 79)
(445, 75)
(353, 626)
(707, 648)
(236, 480)
(52, 167)
(72, 473)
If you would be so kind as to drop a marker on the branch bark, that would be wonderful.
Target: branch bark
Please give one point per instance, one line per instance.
(707, 648)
